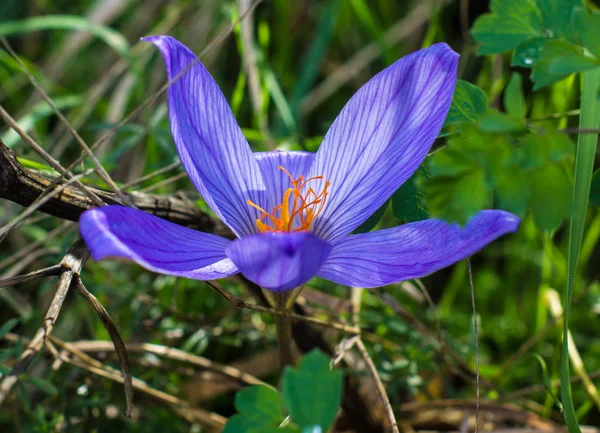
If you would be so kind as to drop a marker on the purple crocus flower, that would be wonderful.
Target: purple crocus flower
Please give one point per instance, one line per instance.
(293, 212)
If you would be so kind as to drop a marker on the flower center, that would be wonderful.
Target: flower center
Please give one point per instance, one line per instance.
(298, 209)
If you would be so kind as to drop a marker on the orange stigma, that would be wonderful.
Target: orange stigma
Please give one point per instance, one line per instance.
(298, 209)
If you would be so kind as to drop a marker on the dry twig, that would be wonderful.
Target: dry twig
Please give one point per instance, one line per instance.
(117, 342)
(172, 353)
(46, 272)
(101, 171)
(240, 303)
(24, 186)
(380, 388)
(71, 266)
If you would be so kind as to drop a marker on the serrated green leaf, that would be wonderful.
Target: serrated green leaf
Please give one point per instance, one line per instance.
(557, 15)
(43, 385)
(532, 152)
(551, 193)
(494, 121)
(513, 191)
(274, 430)
(456, 199)
(559, 146)
(373, 220)
(312, 392)
(259, 408)
(514, 101)
(471, 149)
(468, 104)
(587, 25)
(260, 401)
(540, 149)
(528, 52)
(408, 203)
(239, 423)
(509, 23)
(558, 60)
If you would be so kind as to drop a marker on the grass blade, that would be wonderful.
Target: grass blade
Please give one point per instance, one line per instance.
(111, 37)
(584, 165)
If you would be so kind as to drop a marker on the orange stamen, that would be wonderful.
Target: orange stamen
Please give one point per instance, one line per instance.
(298, 209)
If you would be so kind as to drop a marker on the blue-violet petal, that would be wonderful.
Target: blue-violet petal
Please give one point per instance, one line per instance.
(154, 243)
(212, 148)
(412, 250)
(381, 137)
(279, 261)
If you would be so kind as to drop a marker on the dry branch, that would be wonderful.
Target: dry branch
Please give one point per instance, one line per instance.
(175, 354)
(46, 272)
(23, 186)
(72, 355)
(117, 342)
(71, 266)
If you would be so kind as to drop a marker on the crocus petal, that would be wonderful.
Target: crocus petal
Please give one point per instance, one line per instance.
(411, 250)
(154, 243)
(279, 261)
(276, 180)
(212, 148)
(381, 137)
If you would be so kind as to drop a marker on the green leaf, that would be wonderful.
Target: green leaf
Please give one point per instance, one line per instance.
(539, 149)
(261, 401)
(8, 326)
(558, 60)
(533, 153)
(494, 121)
(514, 101)
(408, 203)
(312, 429)
(364, 12)
(38, 112)
(274, 430)
(595, 189)
(513, 191)
(312, 392)
(584, 165)
(547, 380)
(509, 23)
(587, 25)
(111, 37)
(468, 104)
(43, 385)
(559, 146)
(373, 220)
(456, 199)
(551, 189)
(259, 408)
(243, 424)
(528, 52)
(557, 15)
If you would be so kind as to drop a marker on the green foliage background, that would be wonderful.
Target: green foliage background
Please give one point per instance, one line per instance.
(508, 143)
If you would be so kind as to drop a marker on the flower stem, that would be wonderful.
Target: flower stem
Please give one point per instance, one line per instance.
(285, 341)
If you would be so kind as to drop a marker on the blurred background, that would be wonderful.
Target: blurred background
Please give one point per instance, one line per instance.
(287, 70)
